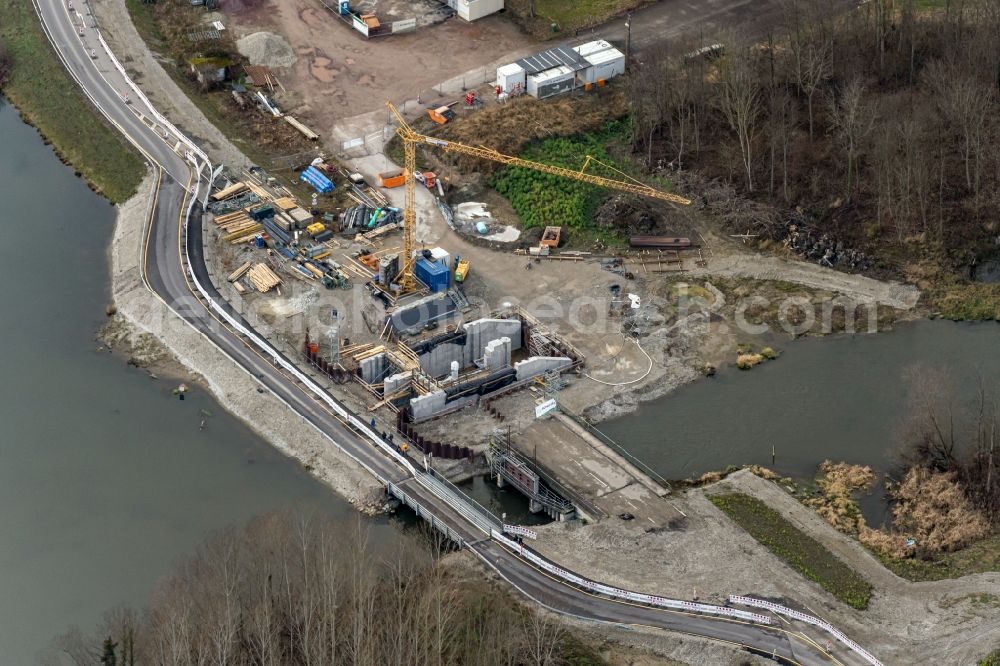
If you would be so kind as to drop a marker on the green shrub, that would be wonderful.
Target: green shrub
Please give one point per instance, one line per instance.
(541, 198)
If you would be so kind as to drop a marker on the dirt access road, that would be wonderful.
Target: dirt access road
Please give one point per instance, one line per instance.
(339, 73)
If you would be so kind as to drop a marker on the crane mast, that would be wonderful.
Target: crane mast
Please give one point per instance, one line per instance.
(406, 279)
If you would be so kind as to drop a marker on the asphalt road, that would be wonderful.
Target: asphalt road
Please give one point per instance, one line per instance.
(693, 22)
(166, 276)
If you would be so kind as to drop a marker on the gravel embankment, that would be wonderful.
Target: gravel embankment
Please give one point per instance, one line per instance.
(234, 388)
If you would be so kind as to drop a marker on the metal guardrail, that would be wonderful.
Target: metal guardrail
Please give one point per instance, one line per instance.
(616, 593)
(808, 619)
(492, 518)
(424, 513)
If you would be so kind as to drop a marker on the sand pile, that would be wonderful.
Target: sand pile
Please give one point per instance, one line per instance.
(268, 49)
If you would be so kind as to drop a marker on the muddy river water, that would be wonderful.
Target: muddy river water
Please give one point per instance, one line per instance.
(106, 478)
(843, 398)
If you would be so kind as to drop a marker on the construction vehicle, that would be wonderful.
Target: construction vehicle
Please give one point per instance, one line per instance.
(406, 280)
(442, 114)
(428, 179)
(462, 267)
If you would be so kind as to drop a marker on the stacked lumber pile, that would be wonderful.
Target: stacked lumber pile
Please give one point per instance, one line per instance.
(368, 353)
(238, 227)
(263, 278)
(230, 191)
(239, 272)
(375, 233)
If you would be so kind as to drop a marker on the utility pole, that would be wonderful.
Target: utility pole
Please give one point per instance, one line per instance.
(628, 38)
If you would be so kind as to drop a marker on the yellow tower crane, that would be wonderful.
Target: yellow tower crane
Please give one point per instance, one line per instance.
(410, 138)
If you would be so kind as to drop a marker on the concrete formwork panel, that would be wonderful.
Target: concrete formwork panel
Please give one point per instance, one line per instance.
(537, 365)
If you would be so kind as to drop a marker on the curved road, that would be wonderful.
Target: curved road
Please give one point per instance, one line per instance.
(170, 240)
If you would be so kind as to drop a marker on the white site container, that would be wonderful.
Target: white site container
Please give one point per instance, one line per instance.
(605, 61)
(510, 77)
(593, 47)
(551, 82)
(471, 10)
(441, 256)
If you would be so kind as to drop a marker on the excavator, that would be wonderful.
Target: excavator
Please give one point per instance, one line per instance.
(406, 280)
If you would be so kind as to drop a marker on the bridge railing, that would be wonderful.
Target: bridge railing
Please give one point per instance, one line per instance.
(492, 520)
(808, 619)
(435, 521)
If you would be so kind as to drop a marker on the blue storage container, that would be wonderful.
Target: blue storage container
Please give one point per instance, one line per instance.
(433, 274)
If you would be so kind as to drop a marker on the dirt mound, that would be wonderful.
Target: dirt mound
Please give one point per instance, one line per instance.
(268, 49)
(618, 213)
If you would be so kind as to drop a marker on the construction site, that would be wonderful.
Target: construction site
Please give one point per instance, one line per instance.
(480, 273)
(413, 332)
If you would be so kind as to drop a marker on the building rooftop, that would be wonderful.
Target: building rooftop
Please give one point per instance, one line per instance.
(559, 56)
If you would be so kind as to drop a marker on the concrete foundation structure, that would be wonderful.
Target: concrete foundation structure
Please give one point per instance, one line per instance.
(458, 367)
(374, 368)
(496, 356)
(427, 405)
(539, 365)
(398, 382)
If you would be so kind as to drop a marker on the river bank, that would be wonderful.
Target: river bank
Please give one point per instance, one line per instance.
(231, 385)
(107, 478)
(49, 100)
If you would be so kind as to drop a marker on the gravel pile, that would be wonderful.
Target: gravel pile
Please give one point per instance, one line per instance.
(268, 49)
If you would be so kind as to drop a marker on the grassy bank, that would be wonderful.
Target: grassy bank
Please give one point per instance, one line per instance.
(799, 551)
(50, 99)
(992, 659)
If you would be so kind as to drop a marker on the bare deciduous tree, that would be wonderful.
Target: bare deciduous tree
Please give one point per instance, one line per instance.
(310, 591)
(851, 116)
(739, 100)
(813, 59)
(966, 104)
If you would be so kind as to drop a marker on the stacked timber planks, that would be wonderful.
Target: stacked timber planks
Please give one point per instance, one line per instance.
(263, 278)
(259, 191)
(239, 272)
(238, 227)
(368, 353)
(380, 231)
(230, 191)
(244, 234)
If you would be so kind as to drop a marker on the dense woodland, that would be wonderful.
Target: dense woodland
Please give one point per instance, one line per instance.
(288, 590)
(878, 128)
